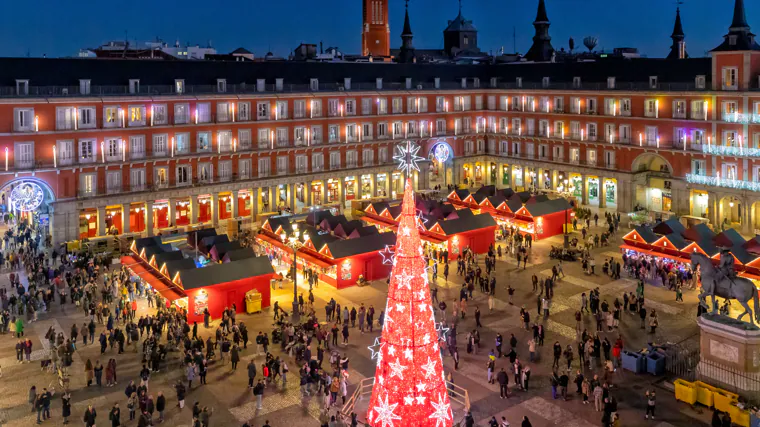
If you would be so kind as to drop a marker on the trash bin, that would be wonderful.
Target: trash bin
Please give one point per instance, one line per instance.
(633, 362)
(655, 363)
(705, 393)
(252, 301)
(685, 391)
(739, 416)
(724, 400)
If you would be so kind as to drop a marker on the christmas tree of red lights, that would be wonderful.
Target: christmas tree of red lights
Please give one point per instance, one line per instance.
(410, 388)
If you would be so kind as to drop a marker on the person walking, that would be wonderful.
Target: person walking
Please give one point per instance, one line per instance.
(251, 373)
(66, 407)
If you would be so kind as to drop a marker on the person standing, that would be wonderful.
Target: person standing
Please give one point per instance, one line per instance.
(251, 373)
(503, 380)
(66, 407)
(160, 406)
(115, 415)
(650, 397)
(90, 416)
(258, 391)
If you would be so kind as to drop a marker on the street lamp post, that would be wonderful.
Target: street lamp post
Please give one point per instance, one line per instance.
(566, 237)
(294, 243)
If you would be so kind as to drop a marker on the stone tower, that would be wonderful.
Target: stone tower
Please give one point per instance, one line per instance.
(406, 53)
(678, 49)
(376, 33)
(541, 50)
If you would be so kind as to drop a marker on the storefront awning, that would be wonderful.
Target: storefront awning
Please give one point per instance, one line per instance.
(656, 254)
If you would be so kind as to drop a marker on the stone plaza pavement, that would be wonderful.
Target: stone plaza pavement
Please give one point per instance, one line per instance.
(233, 403)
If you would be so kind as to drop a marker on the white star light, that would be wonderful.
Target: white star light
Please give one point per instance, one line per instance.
(400, 307)
(426, 339)
(376, 350)
(397, 369)
(429, 368)
(405, 231)
(421, 387)
(388, 256)
(408, 353)
(392, 350)
(385, 415)
(423, 306)
(408, 399)
(405, 281)
(420, 400)
(441, 412)
(406, 155)
(421, 221)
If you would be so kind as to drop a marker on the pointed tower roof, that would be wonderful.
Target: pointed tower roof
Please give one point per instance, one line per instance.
(739, 37)
(406, 53)
(541, 50)
(740, 17)
(541, 14)
(678, 28)
(407, 27)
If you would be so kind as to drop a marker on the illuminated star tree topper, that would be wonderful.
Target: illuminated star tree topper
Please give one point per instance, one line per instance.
(406, 155)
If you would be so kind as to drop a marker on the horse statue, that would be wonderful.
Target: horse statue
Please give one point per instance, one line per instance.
(738, 288)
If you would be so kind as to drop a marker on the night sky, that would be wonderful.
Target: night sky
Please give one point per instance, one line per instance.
(61, 28)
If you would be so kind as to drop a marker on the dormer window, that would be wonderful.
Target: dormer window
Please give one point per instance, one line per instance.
(576, 82)
(408, 82)
(278, 85)
(22, 87)
(134, 86)
(84, 87)
(437, 82)
(493, 82)
(653, 82)
(545, 82)
(610, 83)
(179, 86)
(700, 82)
(221, 85)
(314, 84)
(464, 82)
(476, 83)
(518, 82)
(732, 40)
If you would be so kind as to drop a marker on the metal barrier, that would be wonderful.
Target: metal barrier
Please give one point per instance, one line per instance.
(457, 394)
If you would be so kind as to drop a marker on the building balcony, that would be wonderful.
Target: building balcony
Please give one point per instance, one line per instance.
(714, 181)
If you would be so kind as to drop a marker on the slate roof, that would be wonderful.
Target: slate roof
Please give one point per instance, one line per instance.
(677, 240)
(157, 249)
(350, 247)
(205, 232)
(646, 233)
(146, 242)
(238, 254)
(178, 265)
(379, 206)
(460, 24)
(668, 227)
(222, 248)
(461, 193)
(468, 223)
(488, 190)
(742, 255)
(547, 207)
(514, 203)
(698, 233)
(728, 238)
(366, 230)
(167, 256)
(214, 274)
(315, 217)
(210, 241)
(330, 222)
(708, 246)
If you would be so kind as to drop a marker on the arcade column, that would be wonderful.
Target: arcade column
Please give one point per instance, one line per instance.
(372, 185)
(307, 195)
(126, 209)
(292, 197)
(149, 218)
(254, 203)
(324, 192)
(342, 191)
(235, 195)
(602, 193)
(172, 212)
(193, 210)
(214, 210)
(102, 221)
(584, 190)
(423, 176)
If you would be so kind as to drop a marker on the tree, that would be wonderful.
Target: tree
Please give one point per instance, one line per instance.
(410, 388)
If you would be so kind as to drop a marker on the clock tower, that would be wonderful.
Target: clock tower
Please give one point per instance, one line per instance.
(376, 32)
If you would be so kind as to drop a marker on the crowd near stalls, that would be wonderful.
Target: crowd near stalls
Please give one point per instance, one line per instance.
(330, 248)
(652, 253)
(445, 227)
(532, 214)
(216, 281)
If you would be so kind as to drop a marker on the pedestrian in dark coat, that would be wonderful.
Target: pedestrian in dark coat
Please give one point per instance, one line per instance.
(90, 416)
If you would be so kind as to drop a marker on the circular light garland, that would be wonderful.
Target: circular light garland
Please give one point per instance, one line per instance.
(27, 196)
(441, 152)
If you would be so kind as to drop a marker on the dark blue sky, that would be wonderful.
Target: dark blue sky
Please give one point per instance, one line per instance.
(61, 28)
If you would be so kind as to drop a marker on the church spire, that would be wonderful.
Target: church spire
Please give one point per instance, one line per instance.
(541, 50)
(739, 37)
(740, 17)
(406, 53)
(678, 49)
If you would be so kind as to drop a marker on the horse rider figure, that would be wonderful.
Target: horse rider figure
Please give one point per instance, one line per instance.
(725, 269)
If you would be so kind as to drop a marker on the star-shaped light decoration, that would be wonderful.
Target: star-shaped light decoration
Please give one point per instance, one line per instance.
(421, 221)
(442, 330)
(388, 255)
(385, 413)
(429, 368)
(441, 412)
(405, 281)
(408, 353)
(376, 350)
(397, 369)
(406, 155)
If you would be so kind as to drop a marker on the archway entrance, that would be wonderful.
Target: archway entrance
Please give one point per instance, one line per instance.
(729, 212)
(27, 199)
(441, 158)
(653, 184)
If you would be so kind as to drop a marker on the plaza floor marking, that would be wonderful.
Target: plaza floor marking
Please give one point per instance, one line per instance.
(554, 413)
(572, 280)
(661, 307)
(612, 254)
(561, 329)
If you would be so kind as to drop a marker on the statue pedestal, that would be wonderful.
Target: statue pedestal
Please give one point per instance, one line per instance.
(729, 353)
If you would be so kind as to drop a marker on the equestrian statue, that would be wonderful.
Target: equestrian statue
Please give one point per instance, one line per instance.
(724, 282)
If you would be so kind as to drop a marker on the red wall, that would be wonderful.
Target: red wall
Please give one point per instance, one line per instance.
(552, 224)
(222, 296)
(478, 240)
(369, 265)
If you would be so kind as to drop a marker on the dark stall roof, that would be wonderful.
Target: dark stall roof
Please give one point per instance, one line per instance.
(537, 198)
(728, 238)
(462, 194)
(677, 240)
(479, 197)
(646, 233)
(753, 245)
(514, 203)
(156, 250)
(366, 230)
(507, 192)
(708, 246)
(334, 221)
(201, 234)
(319, 240)
(379, 206)
(315, 217)
(547, 207)
(146, 242)
(669, 227)
(210, 241)
(168, 256)
(698, 233)
(523, 195)
(362, 245)
(742, 255)
(238, 254)
(276, 222)
(222, 248)
(488, 190)
(223, 273)
(173, 267)
(468, 223)
(395, 211)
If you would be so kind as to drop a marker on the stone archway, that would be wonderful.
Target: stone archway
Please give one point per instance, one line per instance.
(651, 162)
(21, 195)
(441, 156)
(730, 212)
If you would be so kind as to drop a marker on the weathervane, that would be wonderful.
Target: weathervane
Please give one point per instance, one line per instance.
(406, 155)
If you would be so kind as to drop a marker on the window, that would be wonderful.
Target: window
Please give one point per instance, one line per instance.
(244, 111)
(679, 109)
(653, 82)
(160, 145)
(225, 170)
(299, 136)
(299, 109)
(591, 157)
(366, 106)
(265, 166)
(224, 139)
(22, 87)
(624, 133)
(478, 102)
(205, 172)
(88, 184)
(203, 112)
(137, 146)
(440, 127)
(516, 127)
(113, 149)
(575, 130)
(382, 106)
(264, 138)
(333, 107)
(333, 133)
(282, 110)
(698, 167)
(86, 150)
(221, 85)
(161, 176)
(398, 105)
(398, 132)
(679, 136)
(559, 130)
(422, 105)
(469, 147)
(466, 125)
(203, 140)
(559, 104)
(730, 111)
(609, 159)
(503, 103)
(23, 119)
(350, 107)
(382, 130)
(503, 124)
(23, 154)
(440, 104)
(609, 132)
(699, 110)
(651, 108)
(282, 137)
(65, 118)
(158, 115)
(316, 108)
(698, 137)
(729, 171)
(223, 112)
(316, 134)
(591, 131)
(184, 174)
(317, 162)
(543, 152)
(730, 78)
(544, 104)
(575, 105)
(591, 105)
(625, 107)
(730, 138)
(314, 84)
(543, 128)
(262, 111)
(575, 155)
(368, 157)
(699, 82)
(530, 127)
(352, 159)
(610, 107)
(65, 152)
(651, 135)
(530, 103)
(351, 134)
(113, 182)
(244, 168)
(137, 115)
(179, 86)
(367, 132)
(382, 155)
(137, 179)
(181, 114)
(334, 160)
(244, 139)
(557, 154)
(134, 86)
